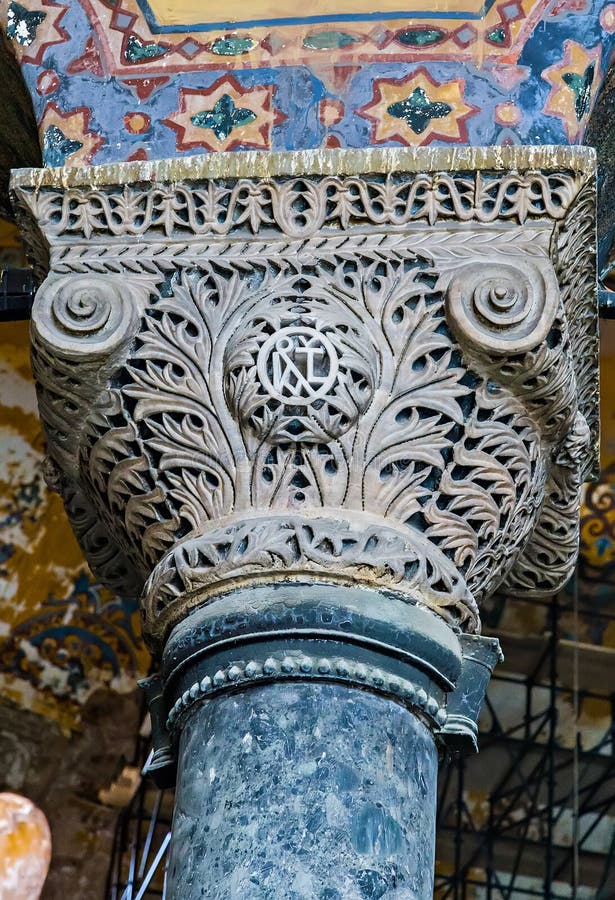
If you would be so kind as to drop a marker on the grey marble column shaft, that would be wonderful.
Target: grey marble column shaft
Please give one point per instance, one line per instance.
(303, 791)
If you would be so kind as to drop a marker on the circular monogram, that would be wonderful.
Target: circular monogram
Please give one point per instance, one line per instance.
(297, 365)
(292, 377)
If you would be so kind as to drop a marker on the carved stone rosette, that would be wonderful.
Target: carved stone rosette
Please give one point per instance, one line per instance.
(354, 369)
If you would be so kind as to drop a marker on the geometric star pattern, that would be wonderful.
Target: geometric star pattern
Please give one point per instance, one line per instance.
(573, 83)
(224, 116)
(417, 110)
(470, 71)
(66, 137)
(34, 27)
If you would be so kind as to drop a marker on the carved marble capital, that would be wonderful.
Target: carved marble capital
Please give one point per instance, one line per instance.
(369, 368)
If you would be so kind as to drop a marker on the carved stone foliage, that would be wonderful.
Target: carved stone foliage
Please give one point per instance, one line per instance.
(372, 379)
(301, 207)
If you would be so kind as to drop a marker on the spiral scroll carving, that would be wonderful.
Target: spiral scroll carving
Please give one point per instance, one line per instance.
(502, 308)
(84, 314)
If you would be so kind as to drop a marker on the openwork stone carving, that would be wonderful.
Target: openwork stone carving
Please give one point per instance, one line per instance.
(384, 378)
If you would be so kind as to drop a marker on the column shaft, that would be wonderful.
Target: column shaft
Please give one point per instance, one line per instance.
(299, 791)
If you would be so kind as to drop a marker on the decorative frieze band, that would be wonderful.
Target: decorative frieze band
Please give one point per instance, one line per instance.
(299, 208)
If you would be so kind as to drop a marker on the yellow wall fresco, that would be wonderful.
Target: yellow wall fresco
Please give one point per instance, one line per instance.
(62, 636)
(193, 12)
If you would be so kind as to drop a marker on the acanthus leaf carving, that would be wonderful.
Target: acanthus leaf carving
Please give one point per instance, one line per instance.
(361, 378)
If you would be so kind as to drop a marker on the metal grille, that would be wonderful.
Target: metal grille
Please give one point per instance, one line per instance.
(533, 815)
(140, 848)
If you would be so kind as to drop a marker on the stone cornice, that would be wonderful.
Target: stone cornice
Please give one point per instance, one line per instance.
(297, 163)
(201, 198)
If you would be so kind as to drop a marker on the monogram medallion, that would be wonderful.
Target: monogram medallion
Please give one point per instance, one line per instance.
(297, 366)
(300, 370)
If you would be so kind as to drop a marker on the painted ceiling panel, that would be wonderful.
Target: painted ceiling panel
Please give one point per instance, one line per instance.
(141, 79)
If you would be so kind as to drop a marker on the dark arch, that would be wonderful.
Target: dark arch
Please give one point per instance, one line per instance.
(19, 145)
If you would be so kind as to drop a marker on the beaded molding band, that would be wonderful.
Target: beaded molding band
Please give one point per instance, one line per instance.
(334, 668)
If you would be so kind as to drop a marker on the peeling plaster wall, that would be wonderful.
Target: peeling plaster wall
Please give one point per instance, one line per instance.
(63, 776)
(62, 636)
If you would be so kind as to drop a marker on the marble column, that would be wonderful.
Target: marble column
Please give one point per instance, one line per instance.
(304, 790)
(314, 408)
(307, 762)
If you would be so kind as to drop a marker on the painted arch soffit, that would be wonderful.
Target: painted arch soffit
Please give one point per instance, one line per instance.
(116, 80)
(184, 35)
